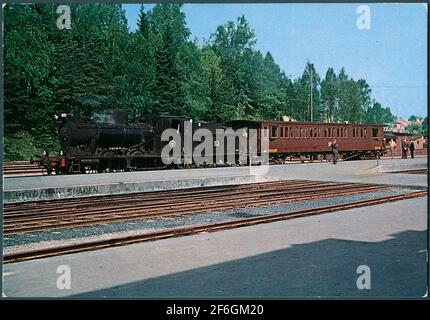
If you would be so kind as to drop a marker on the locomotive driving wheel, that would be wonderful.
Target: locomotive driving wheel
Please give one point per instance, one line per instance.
(106, 163)
(133, 157)
(46, 171)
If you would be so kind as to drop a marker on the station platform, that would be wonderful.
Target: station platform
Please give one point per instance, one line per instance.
(23, 189)
(366, 171)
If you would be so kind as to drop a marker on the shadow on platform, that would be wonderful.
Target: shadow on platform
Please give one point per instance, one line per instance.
(324, 268)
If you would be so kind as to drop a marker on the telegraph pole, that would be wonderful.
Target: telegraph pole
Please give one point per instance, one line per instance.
(312, 116)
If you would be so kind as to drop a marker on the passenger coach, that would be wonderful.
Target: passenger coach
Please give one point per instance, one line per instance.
(355, 141)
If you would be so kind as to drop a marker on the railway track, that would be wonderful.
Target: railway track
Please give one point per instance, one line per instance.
(411, 171)
(21, 169)
(123, 240)
(26, 169)
(65, 214)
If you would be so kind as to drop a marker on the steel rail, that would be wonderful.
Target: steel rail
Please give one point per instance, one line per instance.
(222, 204)
(87, 202)
(130, 239)
(133, 201)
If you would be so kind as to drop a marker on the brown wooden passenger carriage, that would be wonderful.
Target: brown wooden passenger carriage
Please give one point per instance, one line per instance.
(312, 139)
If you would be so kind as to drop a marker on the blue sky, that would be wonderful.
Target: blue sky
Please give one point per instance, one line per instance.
(391, 56)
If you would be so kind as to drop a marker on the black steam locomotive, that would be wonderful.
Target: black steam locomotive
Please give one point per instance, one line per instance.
(110, 142)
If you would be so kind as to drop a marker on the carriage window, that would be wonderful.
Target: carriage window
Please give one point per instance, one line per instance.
(325, 133)
(346, 132)
(315, 132)
(301, 132)
(296, 132)
(311, 133)
(365, 132)
(341, 133)
(375, 132)
(291, 132)
(306, 132)
(281, 132)
(329, 132)
(361, 133)
(274, 132)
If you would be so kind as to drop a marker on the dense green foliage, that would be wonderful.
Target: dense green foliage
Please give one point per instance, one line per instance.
(158, 69)
(417, 125)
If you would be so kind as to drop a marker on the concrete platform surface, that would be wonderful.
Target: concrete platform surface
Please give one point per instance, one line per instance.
(315, 256)
(58, 187)
(23, 189)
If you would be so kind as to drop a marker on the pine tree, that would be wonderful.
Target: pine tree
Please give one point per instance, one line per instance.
(220, 91)
(142, 22)
(329, 96)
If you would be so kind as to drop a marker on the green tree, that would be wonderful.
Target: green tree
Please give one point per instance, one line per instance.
(171, 34)
(134, 88)
(330, 97)
(308, 95)
(29, 81)
(233, 43)
(142, 22)
(220, 91)
(376, 114)
(271, 89)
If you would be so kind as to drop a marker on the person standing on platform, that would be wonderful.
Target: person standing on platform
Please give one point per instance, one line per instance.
(412, 148)
(334, 151)
(404, 149)
(392, 146)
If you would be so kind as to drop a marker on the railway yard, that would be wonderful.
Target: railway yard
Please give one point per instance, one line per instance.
(298, 229)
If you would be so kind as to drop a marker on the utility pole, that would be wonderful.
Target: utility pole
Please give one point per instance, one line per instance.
(312, 116)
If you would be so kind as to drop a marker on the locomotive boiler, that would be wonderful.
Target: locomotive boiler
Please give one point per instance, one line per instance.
(111, 132)
(107, 141)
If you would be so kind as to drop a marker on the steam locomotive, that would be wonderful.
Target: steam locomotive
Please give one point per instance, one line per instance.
(111, 142)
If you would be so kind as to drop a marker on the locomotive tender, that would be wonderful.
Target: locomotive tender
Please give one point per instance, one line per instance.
(113, 143)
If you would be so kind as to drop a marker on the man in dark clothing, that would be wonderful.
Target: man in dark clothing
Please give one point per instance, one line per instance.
(404, 149)
(412, 148)
(334, 151)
